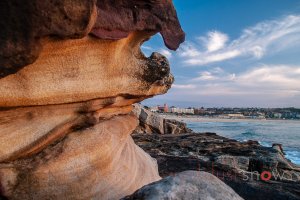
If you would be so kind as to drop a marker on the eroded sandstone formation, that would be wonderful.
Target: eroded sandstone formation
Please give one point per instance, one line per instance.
(24, 23)
(69, 74)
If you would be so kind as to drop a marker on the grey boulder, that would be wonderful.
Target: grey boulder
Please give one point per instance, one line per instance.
(188, 185)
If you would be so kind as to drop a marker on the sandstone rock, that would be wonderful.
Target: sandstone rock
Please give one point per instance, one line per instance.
(153, 123)
(117, 18)
(101, 162)
(25, 23)
(85, 69)
(186, 185)
(67, 85)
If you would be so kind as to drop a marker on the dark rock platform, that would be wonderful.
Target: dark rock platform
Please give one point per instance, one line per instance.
(253, 171)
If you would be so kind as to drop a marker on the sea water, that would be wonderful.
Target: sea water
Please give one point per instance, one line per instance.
(267, 132)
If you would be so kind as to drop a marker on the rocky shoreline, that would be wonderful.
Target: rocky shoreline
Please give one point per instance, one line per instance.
(253, 171)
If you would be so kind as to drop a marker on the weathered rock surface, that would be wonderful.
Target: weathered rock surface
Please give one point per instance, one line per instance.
(185, 186)
(117, 18)
(24, 24)
(67, 85)
(74, 150)
(101, 162)
(151, 123)
(86, 69)
(239, 164)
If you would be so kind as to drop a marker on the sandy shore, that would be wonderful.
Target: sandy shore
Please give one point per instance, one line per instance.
(192, 118)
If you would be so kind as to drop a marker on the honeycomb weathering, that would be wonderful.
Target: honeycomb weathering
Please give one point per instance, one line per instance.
(66, 95)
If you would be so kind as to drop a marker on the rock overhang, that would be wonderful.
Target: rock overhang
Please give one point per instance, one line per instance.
(26, 23)
(73, 71)
(138, 15)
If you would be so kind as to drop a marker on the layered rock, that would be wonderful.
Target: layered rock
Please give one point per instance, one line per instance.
(65, 103)
(89, 163)
(69, 71)
(25, 23)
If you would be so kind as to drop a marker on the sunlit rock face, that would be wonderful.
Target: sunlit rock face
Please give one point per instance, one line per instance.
(69, 74)
(70, 71)
(100, 162)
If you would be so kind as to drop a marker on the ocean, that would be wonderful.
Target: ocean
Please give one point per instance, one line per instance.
(267, 132)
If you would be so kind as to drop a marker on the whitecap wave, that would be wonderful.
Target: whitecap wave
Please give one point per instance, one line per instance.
(294, 156)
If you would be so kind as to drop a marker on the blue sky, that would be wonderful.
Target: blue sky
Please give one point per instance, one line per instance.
(237, 53)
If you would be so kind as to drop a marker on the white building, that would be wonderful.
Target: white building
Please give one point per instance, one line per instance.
(182, 110)
(154, 109)
(237, 116)
(277, 115)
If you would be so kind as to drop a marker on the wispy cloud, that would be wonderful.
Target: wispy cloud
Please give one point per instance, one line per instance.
(255, 42)
(272, 77)
(216, 74)
(278, 80)
(147, 48)
(184, 86)
(211, 58)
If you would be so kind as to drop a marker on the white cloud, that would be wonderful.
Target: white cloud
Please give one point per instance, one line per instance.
(205, 75)
(166, 53)
(214, 41)
(187, 86)
(272, 81)
(210, 58)
(272, 77)
(216, 74)
(255, 42)
(188, 50)
(144, 47)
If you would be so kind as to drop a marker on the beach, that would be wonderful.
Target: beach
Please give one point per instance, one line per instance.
(195, 118)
